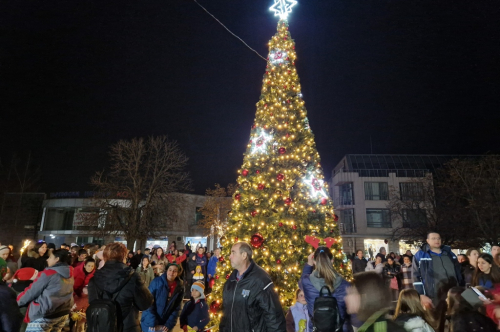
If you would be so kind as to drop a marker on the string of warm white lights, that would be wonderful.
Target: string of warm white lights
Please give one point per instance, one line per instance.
(215, 18)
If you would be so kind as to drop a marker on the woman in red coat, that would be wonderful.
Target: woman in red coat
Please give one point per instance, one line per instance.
(82, 275)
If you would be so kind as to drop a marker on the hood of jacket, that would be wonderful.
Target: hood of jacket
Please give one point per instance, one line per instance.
(411, 321)
(319, 282)
(112, 275)
(64, 270)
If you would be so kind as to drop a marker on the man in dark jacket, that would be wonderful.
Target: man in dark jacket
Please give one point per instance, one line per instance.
(249, 300)
(435, 270)
(359, 262)
(133, 297)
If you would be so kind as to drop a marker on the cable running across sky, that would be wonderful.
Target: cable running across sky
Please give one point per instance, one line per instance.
(215, 18)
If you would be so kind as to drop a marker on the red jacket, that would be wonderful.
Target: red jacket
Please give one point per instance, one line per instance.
(81, 279)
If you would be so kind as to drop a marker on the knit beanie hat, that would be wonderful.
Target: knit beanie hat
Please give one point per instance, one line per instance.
(3, 268)
(25, 274)
(200, 287)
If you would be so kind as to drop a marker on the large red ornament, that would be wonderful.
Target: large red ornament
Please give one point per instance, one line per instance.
(244, 172)
(254, 213)
(280, 224)
(217, 277)
(211, 282)
(288, 201)
(256, 240)
(335, 217)
(324, 200)
(214, 306)
(282, 150)
(257, 171)
(280, 177)
(236, 239)
(294, 226)
(260, 186)
(221, 259)
(227, 276)
(237, 197)
(278, 261)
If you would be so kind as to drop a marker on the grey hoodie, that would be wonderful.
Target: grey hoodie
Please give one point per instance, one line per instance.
(51, 294)
(318, 282)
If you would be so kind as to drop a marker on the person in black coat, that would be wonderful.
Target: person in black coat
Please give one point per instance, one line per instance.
(190, 271)
(10, 316)
(133, 297)
(37, 257)
(359, 262)
(255, 306)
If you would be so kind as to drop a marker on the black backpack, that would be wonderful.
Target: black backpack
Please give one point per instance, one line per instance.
(326, 316)
(105, 315)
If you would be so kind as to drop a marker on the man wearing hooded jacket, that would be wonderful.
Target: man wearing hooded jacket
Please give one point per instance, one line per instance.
(249, 300)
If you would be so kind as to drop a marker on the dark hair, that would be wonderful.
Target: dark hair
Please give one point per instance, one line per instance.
(82, 251)
(147, 249)
(89, 260)
(432, 232)
(63, 255)
(494, 272)
(38, 245)
(470, 250)
(406, 257)
(456, 303)
(358, 251)
(373, 292)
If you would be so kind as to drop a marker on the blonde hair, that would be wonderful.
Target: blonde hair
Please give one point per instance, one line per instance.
(409, 303)
(323, 258)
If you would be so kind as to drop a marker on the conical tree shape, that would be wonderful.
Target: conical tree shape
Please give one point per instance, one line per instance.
(281, 197)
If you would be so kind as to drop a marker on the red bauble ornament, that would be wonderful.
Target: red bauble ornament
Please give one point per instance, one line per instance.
(217, 277)
(324, 201)
(278, 261)
(214, 306)
(335, 217)
(294, 226)
(254, 213)
(237, 197)
(288, 201)
(287, 135)
(257, 171)
(260, 186)
(265, 105)
(244, 172)
(221, 259)
(211, 282)
(282, 150)
(280, 224)
(227, 276)
(284, 86)
(256, 240)
(280, 177)
(236, 239)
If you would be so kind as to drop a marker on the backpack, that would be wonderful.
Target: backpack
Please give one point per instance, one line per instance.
(105, 315)
(326, 316)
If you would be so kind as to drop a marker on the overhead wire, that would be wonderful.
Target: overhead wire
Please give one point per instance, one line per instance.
(215, 18)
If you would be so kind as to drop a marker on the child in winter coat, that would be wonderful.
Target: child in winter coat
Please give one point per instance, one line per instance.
(297, 317)
(194, 316)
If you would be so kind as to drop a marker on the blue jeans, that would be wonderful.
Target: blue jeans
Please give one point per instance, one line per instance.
(47, 324)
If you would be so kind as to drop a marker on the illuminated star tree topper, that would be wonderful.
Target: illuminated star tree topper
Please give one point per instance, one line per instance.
(282, 8)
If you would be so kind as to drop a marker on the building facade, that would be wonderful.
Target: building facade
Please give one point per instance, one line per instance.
(361, 187)
(62, 214)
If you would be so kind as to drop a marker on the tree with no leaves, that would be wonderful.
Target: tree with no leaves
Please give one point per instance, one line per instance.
(147, 174)
(215, 209)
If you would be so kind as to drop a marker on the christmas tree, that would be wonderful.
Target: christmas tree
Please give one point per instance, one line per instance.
(281, 197)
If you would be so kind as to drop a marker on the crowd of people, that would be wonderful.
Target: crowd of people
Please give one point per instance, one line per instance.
(157, 289)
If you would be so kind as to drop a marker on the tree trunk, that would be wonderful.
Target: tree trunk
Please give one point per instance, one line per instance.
(130, 242)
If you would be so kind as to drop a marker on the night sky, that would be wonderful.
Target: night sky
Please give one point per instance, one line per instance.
(77, 76)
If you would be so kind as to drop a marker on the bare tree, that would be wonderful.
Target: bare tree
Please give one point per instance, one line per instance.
(473, 187)
(215, 209)
(137, 196)
(415, 210)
